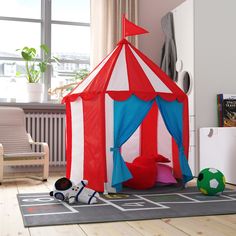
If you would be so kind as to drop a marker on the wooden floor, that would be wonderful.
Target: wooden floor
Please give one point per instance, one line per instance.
(11, 223)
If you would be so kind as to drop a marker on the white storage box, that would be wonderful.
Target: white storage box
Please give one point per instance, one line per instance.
(218, 150)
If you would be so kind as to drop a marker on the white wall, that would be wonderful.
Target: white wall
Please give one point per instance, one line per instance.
(215, 56)
(150, 14)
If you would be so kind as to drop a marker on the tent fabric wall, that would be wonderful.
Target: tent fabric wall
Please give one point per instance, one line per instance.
(175, 159)
(94, 141)
(149, 133)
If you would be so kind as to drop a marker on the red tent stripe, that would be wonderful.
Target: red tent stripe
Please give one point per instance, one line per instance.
(94, 143)
(103, 136)
(149, 133)
(138, 80)
(68, 139)
(98, 84)
(175, 157)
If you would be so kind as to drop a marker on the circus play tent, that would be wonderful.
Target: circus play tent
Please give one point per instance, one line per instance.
(126, 107)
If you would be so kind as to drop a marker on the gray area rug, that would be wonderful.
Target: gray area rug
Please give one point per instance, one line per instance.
(39, 209)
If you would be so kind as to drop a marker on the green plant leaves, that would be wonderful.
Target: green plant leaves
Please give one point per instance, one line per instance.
(28, 53)
(43, 66)
(81, 74)
(34, 66)
(45, 48)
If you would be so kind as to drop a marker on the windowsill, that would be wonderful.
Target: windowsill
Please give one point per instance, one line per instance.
(36, 106)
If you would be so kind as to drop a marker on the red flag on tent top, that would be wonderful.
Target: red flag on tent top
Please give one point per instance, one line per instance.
(130, 28)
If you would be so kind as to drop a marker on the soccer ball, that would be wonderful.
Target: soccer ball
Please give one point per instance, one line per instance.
(211, 181)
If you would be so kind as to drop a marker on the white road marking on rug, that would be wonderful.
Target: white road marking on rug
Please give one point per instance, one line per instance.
(157, 194)
(42, 204)
(120, 200)
(147, 208)
(191, 199)
(43, 195)
(68, 206)
(111, 204)
(199, 202)
(51, 213)
(187, 193)
(132, 204)
(229, 197)
(91, 205)
(160, 206)
(155, 203)
(141, 204)
(41, 199)
(135, 209)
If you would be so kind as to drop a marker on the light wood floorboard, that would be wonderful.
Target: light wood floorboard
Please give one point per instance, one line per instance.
(11, 223)
(202, 226)
(155, 227)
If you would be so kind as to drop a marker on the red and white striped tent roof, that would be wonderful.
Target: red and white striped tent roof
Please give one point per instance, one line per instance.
(127, 71)
(90, 116)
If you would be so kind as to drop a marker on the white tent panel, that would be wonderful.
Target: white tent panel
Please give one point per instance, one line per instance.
(131, 148)
(77, 159)
(164, 139)
(109, 118)
(119, 77)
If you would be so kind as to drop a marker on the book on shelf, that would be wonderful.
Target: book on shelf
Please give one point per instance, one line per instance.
(226, 109)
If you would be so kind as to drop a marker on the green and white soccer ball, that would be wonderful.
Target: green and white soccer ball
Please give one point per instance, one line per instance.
(211, 181)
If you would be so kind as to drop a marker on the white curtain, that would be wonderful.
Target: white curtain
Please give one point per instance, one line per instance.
(106, 26)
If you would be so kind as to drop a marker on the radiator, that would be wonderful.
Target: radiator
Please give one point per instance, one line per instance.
(49, 128)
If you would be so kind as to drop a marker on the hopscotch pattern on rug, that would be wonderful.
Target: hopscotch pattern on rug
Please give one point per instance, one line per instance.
(43, 204)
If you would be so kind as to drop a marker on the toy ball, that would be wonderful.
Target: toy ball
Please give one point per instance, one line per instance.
(211, 181)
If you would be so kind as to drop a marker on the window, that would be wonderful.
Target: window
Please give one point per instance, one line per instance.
(63, 25)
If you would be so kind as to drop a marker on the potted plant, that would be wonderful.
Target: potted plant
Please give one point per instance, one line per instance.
(34, 68)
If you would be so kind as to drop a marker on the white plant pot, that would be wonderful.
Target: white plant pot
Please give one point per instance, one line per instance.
(34, 92)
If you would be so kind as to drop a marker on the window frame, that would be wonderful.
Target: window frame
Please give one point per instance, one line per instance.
(46, 23)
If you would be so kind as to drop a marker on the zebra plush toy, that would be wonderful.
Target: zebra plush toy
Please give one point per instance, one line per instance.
(65, 190)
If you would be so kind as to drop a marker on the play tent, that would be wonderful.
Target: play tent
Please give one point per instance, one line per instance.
(126, 107)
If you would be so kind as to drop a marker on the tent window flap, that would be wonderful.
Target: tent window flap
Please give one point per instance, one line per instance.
(172, 113)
